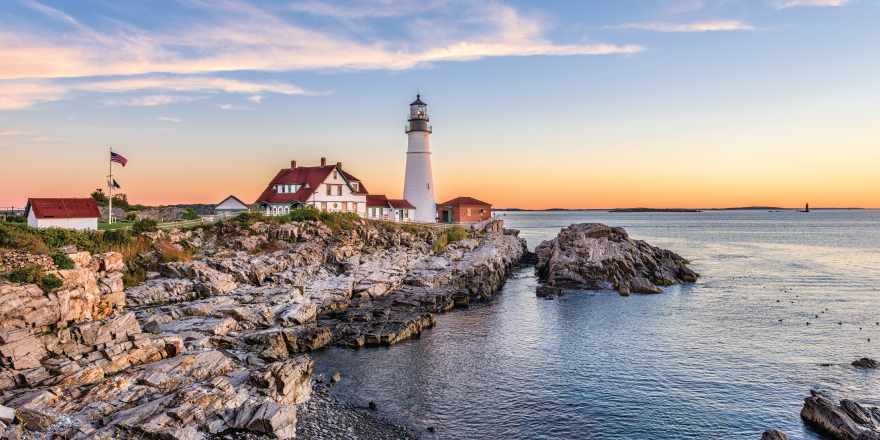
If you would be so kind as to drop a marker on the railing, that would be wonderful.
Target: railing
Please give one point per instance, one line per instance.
(410, 116)
(428, 128)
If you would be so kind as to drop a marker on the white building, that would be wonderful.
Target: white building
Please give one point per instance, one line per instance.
(63, 213)
(380, 207)
(230, 205)
(418, 186)
(326, 187)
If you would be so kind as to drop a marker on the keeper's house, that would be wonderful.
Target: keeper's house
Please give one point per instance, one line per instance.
(230, 205)
(325, 187)
(464, 210)
(79, 214)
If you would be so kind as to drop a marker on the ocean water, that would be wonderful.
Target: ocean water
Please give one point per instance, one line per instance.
(723, 358)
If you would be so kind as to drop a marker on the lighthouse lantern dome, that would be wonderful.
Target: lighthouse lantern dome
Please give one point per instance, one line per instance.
(418, 109)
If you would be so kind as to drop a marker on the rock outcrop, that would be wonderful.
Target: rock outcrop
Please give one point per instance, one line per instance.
(596, 256)
(218, 343)
(772, 434)
(866, 363)
(847, 421)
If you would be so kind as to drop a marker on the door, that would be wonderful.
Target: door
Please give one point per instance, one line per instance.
(445, 218)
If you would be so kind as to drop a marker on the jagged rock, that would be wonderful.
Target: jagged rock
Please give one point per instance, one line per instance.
(11, 432)
(772, 434)
(596, 256)
(7, 414)
(642, 285)
(35, 420)
(839, 422)
(866, 363)
(335, 378)
(548, 292)
(152, 327)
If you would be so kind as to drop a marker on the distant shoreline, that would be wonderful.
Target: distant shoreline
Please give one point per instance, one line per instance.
(748, 208)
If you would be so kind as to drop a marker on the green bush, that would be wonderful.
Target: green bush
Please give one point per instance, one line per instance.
(190, 216)
(455, 234)
(21, 237)
(50, 282)
(145, 225)
(115, 237)
(30, 274)
(130, 216)
(62, 261)
(248, 218)
(439, 245)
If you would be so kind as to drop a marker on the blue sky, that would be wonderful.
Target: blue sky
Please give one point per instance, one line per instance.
(664, 103)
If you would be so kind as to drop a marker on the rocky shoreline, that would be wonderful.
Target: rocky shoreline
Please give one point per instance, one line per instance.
(214, 342)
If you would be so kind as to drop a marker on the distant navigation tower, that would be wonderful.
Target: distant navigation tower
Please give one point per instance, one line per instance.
(418, 187)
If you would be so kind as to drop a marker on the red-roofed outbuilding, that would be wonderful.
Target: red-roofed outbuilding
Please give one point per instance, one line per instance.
(464, 210)
(69, 213)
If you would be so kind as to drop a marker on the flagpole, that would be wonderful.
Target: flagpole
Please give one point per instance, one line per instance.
(110, 191)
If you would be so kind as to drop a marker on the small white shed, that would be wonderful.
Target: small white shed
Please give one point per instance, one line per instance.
(230, 205)
(71, 213)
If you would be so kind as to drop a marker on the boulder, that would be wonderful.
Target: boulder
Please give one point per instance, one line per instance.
(866, 363)
(596, 256)
(772, 434)
(836, 421)
(643, 285)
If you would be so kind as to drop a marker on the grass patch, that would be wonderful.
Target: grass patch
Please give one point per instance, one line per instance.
(133, 278)
(35, 274)
(449, 236)
(169, 253)
(117, 225)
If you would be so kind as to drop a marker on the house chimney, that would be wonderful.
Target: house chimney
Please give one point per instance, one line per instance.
(293, 164)
(339, 165)
(323, 161)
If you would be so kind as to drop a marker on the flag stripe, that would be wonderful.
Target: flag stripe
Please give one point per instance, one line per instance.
(118, 158)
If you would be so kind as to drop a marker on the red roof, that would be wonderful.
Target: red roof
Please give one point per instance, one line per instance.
(401, 204)
(310, 177)
(465, 201)
(62, 208)
(377, 200)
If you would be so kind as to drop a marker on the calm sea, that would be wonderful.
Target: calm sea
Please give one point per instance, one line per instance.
(724, 358)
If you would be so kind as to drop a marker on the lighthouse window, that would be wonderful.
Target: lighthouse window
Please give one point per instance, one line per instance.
(429, 186)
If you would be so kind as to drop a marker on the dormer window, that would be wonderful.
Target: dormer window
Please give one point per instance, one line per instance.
(334, 175)
(355, 185)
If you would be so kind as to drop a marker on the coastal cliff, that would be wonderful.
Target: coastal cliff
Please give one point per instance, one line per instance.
(596, 256)
(217, 340)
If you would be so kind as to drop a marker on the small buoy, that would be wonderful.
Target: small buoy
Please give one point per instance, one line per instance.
(808, 323)
(839, 323)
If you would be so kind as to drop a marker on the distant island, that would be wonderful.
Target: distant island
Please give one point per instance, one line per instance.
(653, 210)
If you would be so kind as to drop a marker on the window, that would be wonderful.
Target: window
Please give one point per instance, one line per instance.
(354, 206)
(355, 185)
(339, 190)
(334, 175)
(329, 190)
(429, 186)
(482, 211)
(469, 211)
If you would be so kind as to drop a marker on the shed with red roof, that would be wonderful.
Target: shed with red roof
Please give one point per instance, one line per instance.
(464, 210)
(69, 213)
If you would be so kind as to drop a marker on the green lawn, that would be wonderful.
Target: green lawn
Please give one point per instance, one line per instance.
(105, 226)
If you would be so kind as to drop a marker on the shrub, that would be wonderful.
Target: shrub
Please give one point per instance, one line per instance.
(145, 225)
(439, 245)
(190, 216)
(62, 261)
(455, 234)
(30, 274)
(130, 216)
(169, 253)
(248, 218)
(133, 278)
(50, 282)
(16, 237)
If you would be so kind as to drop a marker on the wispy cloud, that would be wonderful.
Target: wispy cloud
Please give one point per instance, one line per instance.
(49, 138)
(234, 107)
(255, 98)
(704, 26)
(151, 100)
(782, 4)
(237, 36)
(163, 118)
(11, 132)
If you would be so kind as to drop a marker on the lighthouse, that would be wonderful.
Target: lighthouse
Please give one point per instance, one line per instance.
(418, 187)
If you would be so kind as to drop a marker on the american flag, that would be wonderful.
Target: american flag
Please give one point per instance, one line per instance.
(118, 158)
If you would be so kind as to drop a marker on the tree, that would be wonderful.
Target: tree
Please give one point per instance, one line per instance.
(120, 200)
(100, 197)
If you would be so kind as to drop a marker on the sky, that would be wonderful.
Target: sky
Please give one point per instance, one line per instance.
(534, 104)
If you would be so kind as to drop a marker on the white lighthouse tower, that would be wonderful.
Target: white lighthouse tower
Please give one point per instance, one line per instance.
(418, 188)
